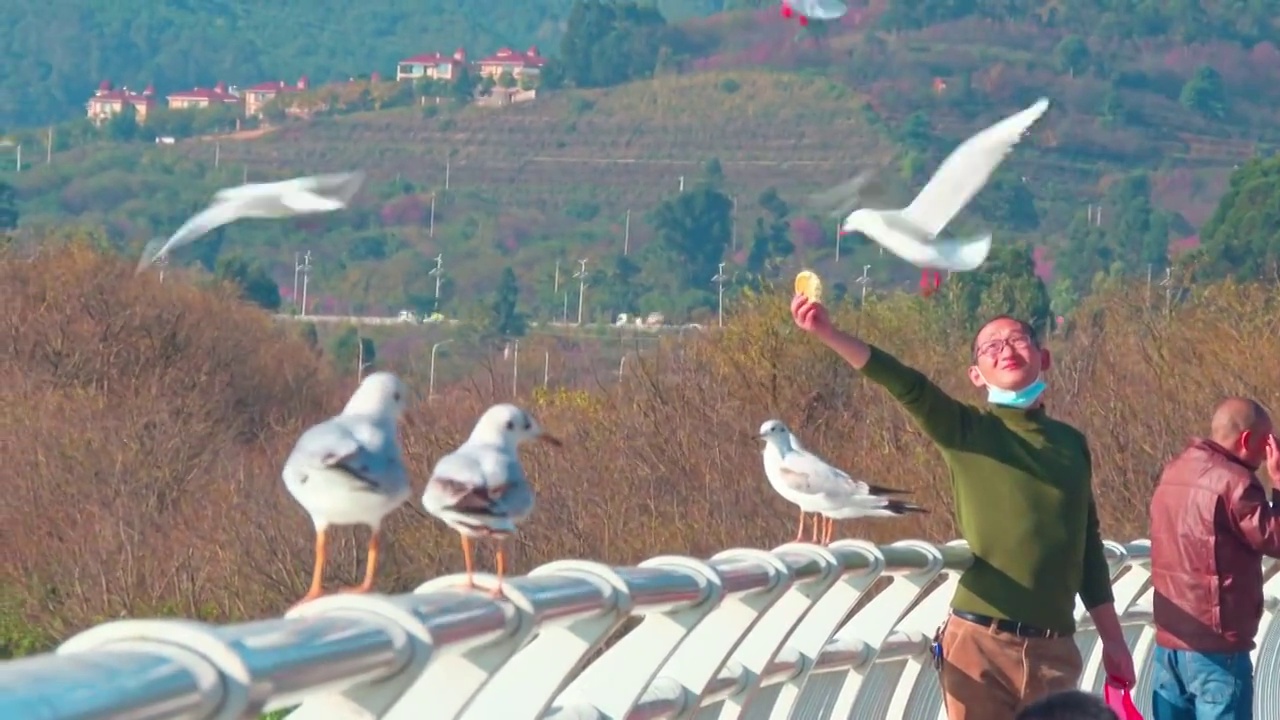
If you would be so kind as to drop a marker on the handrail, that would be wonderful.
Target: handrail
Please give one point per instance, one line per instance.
(770, 632)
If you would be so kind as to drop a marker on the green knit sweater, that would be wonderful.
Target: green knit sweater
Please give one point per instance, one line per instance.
(1024, 502)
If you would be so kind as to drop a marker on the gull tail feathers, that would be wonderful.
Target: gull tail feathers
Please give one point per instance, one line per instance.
(882, 490)
(901, 507)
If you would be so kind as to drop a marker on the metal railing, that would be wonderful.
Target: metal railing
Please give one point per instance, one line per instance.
(748, 633)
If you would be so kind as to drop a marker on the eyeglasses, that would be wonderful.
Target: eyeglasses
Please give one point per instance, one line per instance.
(995, 346)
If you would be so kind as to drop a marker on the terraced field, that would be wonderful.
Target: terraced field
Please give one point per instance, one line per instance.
(623, 148)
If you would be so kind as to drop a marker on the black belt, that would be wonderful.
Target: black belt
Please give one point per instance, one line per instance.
(1006, 626)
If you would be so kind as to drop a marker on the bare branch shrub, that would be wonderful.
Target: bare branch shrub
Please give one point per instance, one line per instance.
(144, 426)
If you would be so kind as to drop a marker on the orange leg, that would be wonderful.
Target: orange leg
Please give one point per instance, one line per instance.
(828, 532)
(467, 560)
(816, 530)
(800, 532)
(317, 574)
(371, 565)
(502, 567)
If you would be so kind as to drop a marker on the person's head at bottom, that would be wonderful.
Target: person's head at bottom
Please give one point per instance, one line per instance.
(1068, 705)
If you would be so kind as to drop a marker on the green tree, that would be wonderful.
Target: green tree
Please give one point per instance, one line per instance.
(609, 43)
(1007, 202)
(504, 318)
(256, 284)
(350, 351)
(694, 228)
(622, 287)
(506, 80)
(1242, 237)
(8, 207)
(1205, 93)
(122, 126)
(771, 241)
(1072, 55)
(1006, 284)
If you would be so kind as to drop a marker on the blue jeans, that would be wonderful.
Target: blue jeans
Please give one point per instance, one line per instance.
(1202, 686)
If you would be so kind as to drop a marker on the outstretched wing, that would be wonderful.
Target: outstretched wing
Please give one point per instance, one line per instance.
(211, 218)
(967, 169)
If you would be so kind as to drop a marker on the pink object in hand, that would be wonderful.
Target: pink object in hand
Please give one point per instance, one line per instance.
(1120, 701)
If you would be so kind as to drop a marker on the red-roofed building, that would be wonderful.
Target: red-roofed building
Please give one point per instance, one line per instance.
(256, 97)
(200, 98)
(519, 64)
(432, 66)
(107, 102)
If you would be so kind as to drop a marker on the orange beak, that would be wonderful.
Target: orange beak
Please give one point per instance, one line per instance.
(552, 441)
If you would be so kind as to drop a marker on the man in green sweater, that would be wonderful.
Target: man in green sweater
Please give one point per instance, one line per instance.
(1024, 502)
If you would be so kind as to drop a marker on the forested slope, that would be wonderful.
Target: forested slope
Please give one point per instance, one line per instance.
(53, 53)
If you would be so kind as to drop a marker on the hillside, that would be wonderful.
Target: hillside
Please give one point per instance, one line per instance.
(758, 106)
(57, 51)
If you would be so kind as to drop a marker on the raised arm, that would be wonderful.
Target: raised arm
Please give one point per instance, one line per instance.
(1256, 520)
(941, 417)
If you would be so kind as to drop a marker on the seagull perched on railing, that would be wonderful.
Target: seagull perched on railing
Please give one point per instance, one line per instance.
(348, 470)
(287, 198)
(480, 489)
(808, 482)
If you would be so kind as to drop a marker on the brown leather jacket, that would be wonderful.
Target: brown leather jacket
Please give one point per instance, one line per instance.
(1210, 526)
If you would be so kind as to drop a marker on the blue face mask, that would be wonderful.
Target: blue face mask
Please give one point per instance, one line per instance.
(1022, 399)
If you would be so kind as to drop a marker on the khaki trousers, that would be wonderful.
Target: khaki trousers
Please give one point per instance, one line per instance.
(991, 675)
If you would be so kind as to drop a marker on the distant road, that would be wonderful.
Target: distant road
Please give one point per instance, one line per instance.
(551, 326)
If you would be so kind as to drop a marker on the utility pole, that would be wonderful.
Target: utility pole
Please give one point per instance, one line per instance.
(515, 371)
(297, 268)
(839, 237)
(438, 271)
(431, 228)
(864, 281)
(555, 290)
(546, 367)
(431, 376)
(446, 173)
(681, 183)
(163, 262)
(733, 226)
(48, 148)
(305, 267)
(217, 155)
(581, 275)
(720, 280)
(626, 234)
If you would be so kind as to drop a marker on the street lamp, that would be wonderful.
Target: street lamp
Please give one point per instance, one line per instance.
(720, 279)
(864, 281)
(431, 373)
(581, 275)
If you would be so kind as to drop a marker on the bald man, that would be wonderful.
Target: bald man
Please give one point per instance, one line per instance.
(1211, 524)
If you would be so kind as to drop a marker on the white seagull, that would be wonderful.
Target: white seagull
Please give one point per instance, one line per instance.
(480, 489)
(806, 10)
(912, 232)
(347, 470)
(808, 482)
(287, 198)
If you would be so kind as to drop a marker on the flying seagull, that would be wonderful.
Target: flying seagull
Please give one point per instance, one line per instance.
(805, 10)
(912, 232)
(287, 198)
